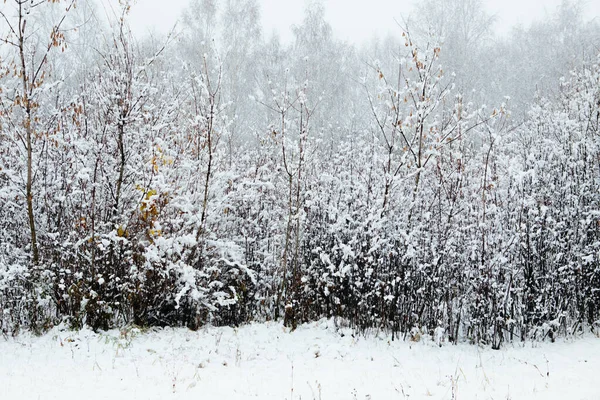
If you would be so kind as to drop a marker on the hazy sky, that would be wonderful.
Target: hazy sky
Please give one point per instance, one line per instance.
(354, 20)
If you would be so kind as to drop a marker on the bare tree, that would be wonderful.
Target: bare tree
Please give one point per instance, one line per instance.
(31, 68)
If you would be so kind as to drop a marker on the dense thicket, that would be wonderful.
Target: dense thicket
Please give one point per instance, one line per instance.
(219, 178)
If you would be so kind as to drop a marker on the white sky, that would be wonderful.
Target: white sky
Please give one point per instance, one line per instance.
(354, 20)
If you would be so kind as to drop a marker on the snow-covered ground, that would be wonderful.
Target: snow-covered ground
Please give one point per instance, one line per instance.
(265, 361)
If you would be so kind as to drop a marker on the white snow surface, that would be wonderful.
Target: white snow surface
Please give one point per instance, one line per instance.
(266, 361)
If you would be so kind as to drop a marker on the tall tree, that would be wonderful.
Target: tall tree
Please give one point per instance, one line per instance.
(30, 50)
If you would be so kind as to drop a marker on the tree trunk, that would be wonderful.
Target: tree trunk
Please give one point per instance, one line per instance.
(28, 138)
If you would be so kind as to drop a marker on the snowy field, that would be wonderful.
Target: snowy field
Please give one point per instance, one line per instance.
(267, 362)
